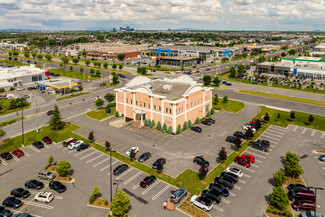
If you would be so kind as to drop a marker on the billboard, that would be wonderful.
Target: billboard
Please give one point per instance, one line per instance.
(110, 78)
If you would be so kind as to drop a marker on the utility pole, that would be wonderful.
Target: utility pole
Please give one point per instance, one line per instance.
(110, 174)
(316, 188)
(22, 124)
(36, 117)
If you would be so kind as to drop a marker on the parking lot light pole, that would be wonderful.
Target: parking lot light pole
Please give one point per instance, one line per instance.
(110, 174)
(22, 124)
(316, 188)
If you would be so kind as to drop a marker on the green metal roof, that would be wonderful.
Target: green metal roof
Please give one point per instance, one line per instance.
(293, 59)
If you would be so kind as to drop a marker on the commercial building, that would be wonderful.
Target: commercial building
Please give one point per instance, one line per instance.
(319, 49)
(20, 75)
(168, 101)
(59, 85)
(178, 61)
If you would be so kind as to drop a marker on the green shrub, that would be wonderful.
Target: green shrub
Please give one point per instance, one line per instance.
(212, 111)
(152, 124)
(185, 125)
(110, 105)
(274, 211)
(92, 199)
(165, 127)
(190, 124)
(106, 202)
(170, 130)
(116, 114)
(289, 214)
(47, 166)
(158, 126)
(197, 120)
(146, 122)
(269, 210)
(149, 123)
(179, 129)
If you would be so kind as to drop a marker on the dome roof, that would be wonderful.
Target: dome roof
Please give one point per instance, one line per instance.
(138, 80)
(185, 79)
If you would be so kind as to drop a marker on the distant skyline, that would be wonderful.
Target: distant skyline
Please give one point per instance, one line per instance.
(275, 15)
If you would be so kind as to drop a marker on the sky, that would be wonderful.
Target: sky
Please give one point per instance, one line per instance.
(269, 15)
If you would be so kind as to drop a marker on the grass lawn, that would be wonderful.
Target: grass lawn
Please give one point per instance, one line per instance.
(5, 103)
(72, 96)
(109, 85)
(100, 113)
(230, 106)
(57, 136)
(74, 74)
(14, 63)
(5, 123)
(275, 96)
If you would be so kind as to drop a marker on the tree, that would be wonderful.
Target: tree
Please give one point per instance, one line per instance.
(292, 165)
(249, 133)
(63, 167)
(2, 132)
(110, 97)
(91, 71)
(120, 67)
(115, 77)
(215, 99)
(65, 60)
(160, 166)
(95, 64)
(105, 65)
(120, 203)
(190, 124)
(222, 154)
(81, 69)
(158, 126)
(15, 53)
(311, 118)
(280, 177)
(121, 57)
(278, 117)
(206, 79)
(132, 154)
(71, 90)
(152, 124)
(292, 52)
(266, 117)
(39, 56)
(75, 60)
(48, 57)
(164, 127)
(203, 171)
(99, 102)
(26, 54)
(55, 121)
(241, 69)
(97, 73)
(116, 114)
(91, 136)
(232, 72)
(87, 62)
(208, 114)
(212, 111)
(185, 125)
(179, 129)
(50, 160)
(170, 130)
(146, 123)
(216, 81)
(96, 191)
(279, 198)
(114, 66)
(258, 124)
(71, 68)
(261, 59)
(225, 99)
(149, 123)
(292, 115)
(197, 120)
(142, 70)
(107, 145)
(99, 64)
(33, 54)
(237, 142)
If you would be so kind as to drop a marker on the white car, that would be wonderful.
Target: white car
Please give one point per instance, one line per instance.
(20, 88)
(50, 91)
(202, 202)
(136, 150)
(44, 196)
(246, 126)
(234, 171)
(97, 98)
(74, 145)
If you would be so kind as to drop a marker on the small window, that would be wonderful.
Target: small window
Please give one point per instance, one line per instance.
(148, 105)
(144, 104)
(191, 104)
(154, 107)
(131, 101)
(201, 100)
(166, 110)
(187, 106)
(160, 108)
(140, 103)
(136, 102)
(127, 100)
(170, 111)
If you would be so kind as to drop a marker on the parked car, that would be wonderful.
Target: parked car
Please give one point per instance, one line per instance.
(301, 194)
(178, 195)
(44, 174)
(38, 144)
(57, 186)
(242, 161)
(235, 171)
(66, 142)
(201, 161)
(240, 135)
(74, 145)
(147, 181)
(44, 196)
(20, 193)
(210, 120)
(12, 202)
(214, 196)
(82, 147)
(159, 160)
(202, 202)
(303, 205)
(49, 112)
(311, 214)
(120, 169)
(144, 157)
(197, 129)
(122, 76)
(263, 145)
(47, 140)
(230, 176)
(34, 184)
(247, 126)
(23, 214)
(206, 122)
(230, 139)
(225, 182)
(102, 84)
(6, 155)
(135, 148)
(20, 88)
(322, 158)
(4, 212)
(248, 157)
(292, 187)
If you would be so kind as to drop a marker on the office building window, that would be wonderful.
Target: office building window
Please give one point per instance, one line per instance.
(160, 108)
(127, 100)
(40, 77)
(140, 103)
(148, 105)
(136, 102)
(131, 101)
(144, 104)
(154, 107)
(166, 110)
(170, 111)
(187, 106)
(191, 104)
(34, 78)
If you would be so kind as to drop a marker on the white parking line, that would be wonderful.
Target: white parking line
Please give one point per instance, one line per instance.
(60, 146)
(250, 170)
(218, 208)
(160, 192)
(28, 155)
(100, 162)
(232, 194)
(270, 137)
(38, 204)
(95, 158)
(15, 158)
(16, 212)
(294, 129)
(255, 154)
(304, 130)
(130, 179)
(151, 187)
(322, 136)
(4, 163)
(73, 150)
(273, 146)
(107, 166)
(248, 176)
(254, 165)
(88, 155)
(276, 132)
(136, 186)
(313, 133)
(274, 127)
(321, 162)
(225, 201)
(123, 174)
(323, 168)
(81, 152)
(237, 187)
(258, 161)
(46, 146)
(66, 148)
(34, 149)
(273, 134)
(241, 181)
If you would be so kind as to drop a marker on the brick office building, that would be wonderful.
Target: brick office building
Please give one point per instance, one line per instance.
(170, 101)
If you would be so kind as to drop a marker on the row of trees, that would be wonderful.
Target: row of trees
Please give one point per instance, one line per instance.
(207, 79)
(17, 103)
(292, 116)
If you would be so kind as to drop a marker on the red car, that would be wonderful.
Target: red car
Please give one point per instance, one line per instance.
(248, 157)
(18, 153)
(242, 161)
(69, 140)
(47, 140)
(303, 205)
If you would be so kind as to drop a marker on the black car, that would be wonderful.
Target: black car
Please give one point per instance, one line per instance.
(215, 196)
(263, 145)
(293, 187)
(122, 76)
(147, 181)
(197, 129)
(20, 193)
(225, 182)
(231, 139)
(211, 120)
(120, 169)
(103, 84)
(38, 144)
(201, 161)
(34, 184)
(219, 188)
(82, 147)
(229, 176)
(49, 112)
(160, 160)
(57, 186)
(12, 202)
(240, 135)
(145, 156)
(206, 122)
(5, 212)
(6, 155)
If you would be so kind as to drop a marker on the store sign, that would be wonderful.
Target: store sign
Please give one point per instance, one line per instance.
(110, 78)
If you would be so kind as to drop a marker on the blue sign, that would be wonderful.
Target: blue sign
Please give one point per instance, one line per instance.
(295, 71)
(163, 49)
(226, 53)
(313, 48)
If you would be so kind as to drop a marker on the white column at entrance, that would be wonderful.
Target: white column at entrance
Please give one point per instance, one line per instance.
(203, 103)
(124, 117)
(174, 118)
(141, 119)
(134, 115)
(151, 107)
(162, 112)
(185, 109)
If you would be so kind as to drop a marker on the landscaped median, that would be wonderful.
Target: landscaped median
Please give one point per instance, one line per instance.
(74, 74)
(288, 98)
(100, 113)
(228, 105)
(72, 96)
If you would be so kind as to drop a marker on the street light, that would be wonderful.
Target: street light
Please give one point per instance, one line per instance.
(316, 188)
(110, 173)
(22, 123)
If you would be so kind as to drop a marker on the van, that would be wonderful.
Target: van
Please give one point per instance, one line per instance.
(305, 196)
(43, 174)
(298, 194)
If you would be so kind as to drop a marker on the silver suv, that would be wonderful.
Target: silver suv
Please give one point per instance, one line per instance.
(43, 174)
(176, 196)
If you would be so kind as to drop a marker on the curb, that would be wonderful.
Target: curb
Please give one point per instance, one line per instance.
(98, 207)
